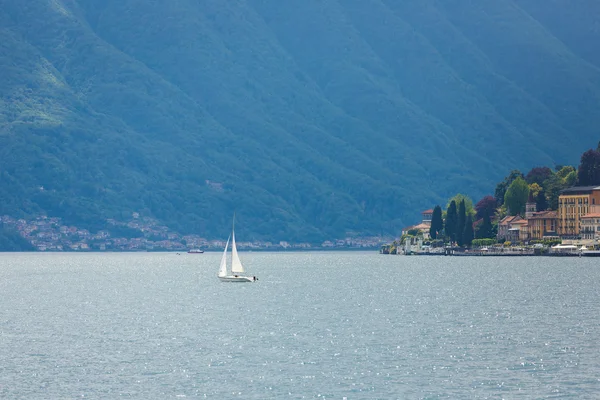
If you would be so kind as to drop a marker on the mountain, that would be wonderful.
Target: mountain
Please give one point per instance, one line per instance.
(310, 119)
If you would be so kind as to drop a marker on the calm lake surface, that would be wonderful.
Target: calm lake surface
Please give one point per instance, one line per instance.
(320, 325)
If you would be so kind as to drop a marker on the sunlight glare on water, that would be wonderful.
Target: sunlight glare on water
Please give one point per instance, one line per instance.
(335, 325)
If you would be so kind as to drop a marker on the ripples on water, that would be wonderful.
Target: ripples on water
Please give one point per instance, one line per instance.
(316, 325)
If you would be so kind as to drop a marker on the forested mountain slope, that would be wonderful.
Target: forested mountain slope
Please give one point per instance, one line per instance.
(310, 118)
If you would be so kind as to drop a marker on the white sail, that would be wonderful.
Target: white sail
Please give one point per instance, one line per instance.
(223, 266)
(236, 264)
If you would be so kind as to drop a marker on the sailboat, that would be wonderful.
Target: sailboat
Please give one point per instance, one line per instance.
(237, 269)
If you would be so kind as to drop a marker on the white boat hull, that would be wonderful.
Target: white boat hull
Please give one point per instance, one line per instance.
(231, 278)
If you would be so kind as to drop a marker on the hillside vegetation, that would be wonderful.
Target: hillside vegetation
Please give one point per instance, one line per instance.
(310, 119)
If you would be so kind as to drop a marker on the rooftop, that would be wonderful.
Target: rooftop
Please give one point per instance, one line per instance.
(580, 189)
(420, 226)
(519, 222)
(591, 215)
(544, 215)
(510, 219)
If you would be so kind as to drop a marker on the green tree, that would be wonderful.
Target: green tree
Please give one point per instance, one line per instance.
(502, 187)
(537, 193)
(451, 221)
(556, 183)
(516, 196)
(460, 226)
(553, 187)
(564, 171)
(469, 208)
(500, 212)
(468, 231)
(534, 189)
(437, 224)
(571, 179)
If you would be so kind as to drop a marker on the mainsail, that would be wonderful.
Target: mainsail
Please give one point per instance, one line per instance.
(236, 264)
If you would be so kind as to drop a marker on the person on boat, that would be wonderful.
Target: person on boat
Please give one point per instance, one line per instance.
(235, 276)
(254, 278)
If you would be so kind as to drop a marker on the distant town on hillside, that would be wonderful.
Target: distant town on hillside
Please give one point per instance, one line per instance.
(144, 234)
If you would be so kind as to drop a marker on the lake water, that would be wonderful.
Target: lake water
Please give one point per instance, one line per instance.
(319, 325)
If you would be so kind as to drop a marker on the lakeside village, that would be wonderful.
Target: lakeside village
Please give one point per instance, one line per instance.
(546, 212)
(50, 234)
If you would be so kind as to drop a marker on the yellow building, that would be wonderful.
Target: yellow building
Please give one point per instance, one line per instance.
(540, 224)
(572, 204)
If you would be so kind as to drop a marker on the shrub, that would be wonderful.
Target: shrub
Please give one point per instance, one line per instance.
(483, 242)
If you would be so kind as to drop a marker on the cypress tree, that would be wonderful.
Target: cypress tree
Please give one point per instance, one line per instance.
(468, 231)
(485, 230)
(437, 223)
(451, 221)
(460, 226)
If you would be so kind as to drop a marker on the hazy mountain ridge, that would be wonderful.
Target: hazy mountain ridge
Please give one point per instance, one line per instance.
(313, 119)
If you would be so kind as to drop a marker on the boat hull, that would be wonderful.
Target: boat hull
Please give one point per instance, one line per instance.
(238, 279)
(590, 253)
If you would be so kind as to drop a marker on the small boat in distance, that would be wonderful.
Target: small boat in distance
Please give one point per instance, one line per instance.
(237, 269)
(195, 251)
